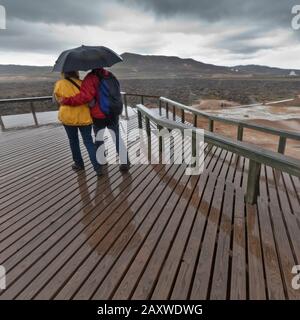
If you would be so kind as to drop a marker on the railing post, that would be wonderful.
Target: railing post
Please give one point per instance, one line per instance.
(282, 145)
(167, 110)
(2, 124)
(160, 107)
(142, 100)
(174, 113)
(211, 125)
(182, 116)
(194, 148)
(140, 120)
(253, 182)
(126, 106)
(195, 120)
(148, 130)
(160, 143)
(34, 114)
(240, 133)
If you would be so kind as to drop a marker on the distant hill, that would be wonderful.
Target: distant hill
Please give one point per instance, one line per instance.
(18, 69)
(154, 67)
(264, 70)
(164, 66)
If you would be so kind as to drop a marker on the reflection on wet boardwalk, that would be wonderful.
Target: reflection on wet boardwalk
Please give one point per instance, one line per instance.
(153, 233)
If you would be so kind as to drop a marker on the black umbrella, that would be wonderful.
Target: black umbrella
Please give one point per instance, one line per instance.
(85, 58)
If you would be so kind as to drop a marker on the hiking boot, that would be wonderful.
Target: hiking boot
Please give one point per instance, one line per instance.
(76, 167)
(124, 167)
(99, 172)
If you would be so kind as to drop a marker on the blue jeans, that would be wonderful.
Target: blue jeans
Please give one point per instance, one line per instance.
(86, 134)
(113, 125)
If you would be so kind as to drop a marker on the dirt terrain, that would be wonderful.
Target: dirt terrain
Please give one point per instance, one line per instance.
(186, 90)
(281, 116)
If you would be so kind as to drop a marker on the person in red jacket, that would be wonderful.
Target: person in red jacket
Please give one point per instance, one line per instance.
(89, 94)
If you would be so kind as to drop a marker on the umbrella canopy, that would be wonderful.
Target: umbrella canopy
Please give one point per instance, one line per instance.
(85, 58)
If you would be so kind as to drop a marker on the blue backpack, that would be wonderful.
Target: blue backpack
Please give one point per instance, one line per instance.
(109, 93)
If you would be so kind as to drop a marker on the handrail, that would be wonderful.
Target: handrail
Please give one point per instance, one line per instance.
(283, 134)
(255, 154)
(32, 108)
(141, 96)
(31, 100)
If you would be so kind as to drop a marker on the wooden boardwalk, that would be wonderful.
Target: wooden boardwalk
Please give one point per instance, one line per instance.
(152, 233)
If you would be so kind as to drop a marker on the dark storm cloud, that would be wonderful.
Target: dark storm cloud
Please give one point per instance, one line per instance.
(271, 12)
(248, 19)
(245, 43)
(87, 12)
(28, 23)
(22, 36)
(258, 17)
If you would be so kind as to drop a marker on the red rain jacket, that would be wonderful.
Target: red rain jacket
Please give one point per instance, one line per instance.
(89, 92)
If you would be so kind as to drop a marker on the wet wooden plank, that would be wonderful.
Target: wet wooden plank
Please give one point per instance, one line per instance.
(168, 274)
(239, 171)
(257, 286)
(281, 232)
(184, 280)
(275, 288)
(238, 279)
(204, 267)
(231, 169)
(289, 190)
(148, 278)
(220, 281)
(245, 175)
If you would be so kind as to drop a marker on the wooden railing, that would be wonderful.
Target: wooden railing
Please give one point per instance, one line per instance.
(255, 154)
(142, 98)
(283, 135)
(32, 100)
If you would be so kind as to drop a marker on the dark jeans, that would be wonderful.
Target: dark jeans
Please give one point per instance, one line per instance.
(111, 124)
(86, 134)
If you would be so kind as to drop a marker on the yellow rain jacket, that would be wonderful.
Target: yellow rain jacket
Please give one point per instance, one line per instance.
(71, 116)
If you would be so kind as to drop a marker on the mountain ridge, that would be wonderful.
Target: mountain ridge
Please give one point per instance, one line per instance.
(159, 66)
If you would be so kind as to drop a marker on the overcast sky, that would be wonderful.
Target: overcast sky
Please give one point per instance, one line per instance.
(223, 32)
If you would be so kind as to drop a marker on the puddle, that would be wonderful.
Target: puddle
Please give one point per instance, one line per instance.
(25, 120)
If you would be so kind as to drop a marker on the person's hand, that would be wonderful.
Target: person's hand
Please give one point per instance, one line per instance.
(60, 100)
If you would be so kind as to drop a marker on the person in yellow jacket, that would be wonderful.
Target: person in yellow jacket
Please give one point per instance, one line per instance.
(75, 120)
